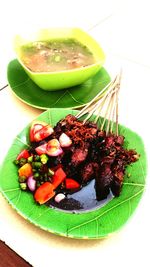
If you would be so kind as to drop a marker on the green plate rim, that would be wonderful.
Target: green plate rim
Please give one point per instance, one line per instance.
(42, 107)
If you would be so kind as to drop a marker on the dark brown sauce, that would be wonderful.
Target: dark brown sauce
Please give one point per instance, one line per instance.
(81, 201)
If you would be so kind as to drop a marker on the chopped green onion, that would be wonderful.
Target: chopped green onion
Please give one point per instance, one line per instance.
(36, 175)
(38, 183)
(22, 179)
(36, 165)
(22, 161)
(23, 186)
(50, 172)
(30, 159)
(16, 161)
(36, 157)
(44, 158)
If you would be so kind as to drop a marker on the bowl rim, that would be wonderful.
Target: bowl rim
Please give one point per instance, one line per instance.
(97, 63)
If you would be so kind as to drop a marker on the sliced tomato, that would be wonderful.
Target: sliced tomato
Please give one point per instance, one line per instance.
(43, 133)
(71, 184)
(44, 193)
(57, 167)
(35, 127)
(23, 154)
(41, 149)
(59, 177)
(53, 148)
(25, 170)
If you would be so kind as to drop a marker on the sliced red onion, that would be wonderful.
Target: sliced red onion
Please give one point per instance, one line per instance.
(65, 140)
(54, 152)
(53, 148)
(41, 149)
(31, 183)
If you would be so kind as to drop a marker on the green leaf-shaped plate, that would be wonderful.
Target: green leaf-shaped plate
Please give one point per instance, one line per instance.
(90, 224)
(27, 91)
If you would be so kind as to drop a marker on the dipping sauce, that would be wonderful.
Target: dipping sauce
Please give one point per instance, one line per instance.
(56, 55)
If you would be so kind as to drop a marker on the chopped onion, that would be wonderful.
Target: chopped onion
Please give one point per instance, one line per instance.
(54, 152)
(65, 140)
(31, 183)
(53, 148)
(59, 197)
(41, 149)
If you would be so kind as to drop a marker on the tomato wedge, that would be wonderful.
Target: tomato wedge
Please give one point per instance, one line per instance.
(23, 154)
(59, 177)
(39, 130)
(35, 127)
(25, 170)
(43, 133)
(44, 193)
(71, 184)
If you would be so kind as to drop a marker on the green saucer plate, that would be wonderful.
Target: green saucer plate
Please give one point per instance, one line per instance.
(91, 224)
(27, 91)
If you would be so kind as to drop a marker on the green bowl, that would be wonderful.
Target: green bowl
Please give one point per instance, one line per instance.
(63, 79)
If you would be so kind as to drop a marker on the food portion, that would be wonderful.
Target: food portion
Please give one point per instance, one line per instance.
(56, 55)
(65, 159)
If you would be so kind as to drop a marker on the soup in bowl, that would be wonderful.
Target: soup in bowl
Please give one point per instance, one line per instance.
(59, 58)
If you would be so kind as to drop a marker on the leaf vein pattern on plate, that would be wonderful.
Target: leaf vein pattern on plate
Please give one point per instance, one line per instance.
(106, 211)
(18, 85)
(59, 99)
(50, 117)
(77, 101)
(134, 184)
(142, 170)
(41, 214)
(21, 141)
(31, 211)
(11, 190)
(18, 197)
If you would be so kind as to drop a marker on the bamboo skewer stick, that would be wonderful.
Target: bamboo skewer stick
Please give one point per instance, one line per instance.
(93, 100)
(99, 110)
(113, 114)
(95, 103)
(106, 112)
(111, 85)
(109, 101)
(117, 110)
(112, 105)
(106, 102)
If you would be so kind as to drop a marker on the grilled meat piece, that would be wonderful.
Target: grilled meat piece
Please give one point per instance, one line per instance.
(94, 155)
(79, 156)
(88, 172)
(103, 180)
(119, 140)
(116, 187)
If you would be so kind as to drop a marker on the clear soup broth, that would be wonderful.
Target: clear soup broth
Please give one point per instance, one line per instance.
(56, 55)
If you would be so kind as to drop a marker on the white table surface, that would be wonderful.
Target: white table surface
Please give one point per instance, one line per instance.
(122, 29)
